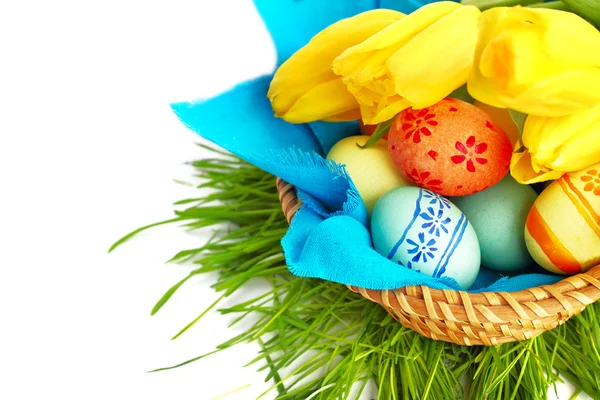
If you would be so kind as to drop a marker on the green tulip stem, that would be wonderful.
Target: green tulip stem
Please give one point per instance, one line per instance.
(588, 9)
(555, 5)
(487, 4)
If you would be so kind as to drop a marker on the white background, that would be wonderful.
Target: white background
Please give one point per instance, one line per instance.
(88, 151)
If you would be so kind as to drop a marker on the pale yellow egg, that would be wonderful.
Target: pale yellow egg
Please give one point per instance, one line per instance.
(371, 170)
(562, 231)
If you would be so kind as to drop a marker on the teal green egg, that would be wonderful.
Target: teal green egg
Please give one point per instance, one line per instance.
(498, 215)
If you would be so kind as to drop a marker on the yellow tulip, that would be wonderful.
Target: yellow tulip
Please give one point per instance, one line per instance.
(537, 61)
(415, 62)
(305, 89)
(555, 146)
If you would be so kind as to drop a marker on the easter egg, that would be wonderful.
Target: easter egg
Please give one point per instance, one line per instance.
(452, 148)
(369, 129)
(562, 231)
(370, 169)
(501, 117)
(498, 215)
(425, 232)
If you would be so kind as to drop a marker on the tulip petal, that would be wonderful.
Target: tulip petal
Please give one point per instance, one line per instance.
(478, 84)
(372, 115)
(365, 70)
(352, 115)
(581, 148)
(566, 143)
(436, 61)
(521, 169)
(569, 38)
(568, 93)
(512, 62)
(311, 65)
(357, 58)
(557, 145)
(536, 61)
(326, 101)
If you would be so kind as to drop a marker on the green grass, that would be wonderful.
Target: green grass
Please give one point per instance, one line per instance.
(320, 341)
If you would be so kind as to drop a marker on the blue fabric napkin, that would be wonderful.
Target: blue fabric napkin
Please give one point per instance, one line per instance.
(329, 236)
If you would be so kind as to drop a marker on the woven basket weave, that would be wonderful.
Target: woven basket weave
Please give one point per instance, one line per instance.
(488, 318)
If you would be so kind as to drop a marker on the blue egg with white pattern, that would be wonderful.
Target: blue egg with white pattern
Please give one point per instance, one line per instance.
(423, 231)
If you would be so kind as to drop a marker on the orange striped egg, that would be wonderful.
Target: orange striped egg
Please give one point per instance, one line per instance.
(562, 231)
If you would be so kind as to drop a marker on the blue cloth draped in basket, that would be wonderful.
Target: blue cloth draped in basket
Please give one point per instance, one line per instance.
(329, 236)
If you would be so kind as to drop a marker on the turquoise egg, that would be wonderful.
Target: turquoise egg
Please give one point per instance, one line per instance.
(498, 215)
(425, 232)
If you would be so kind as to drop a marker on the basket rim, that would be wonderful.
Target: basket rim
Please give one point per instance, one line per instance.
(519, 315)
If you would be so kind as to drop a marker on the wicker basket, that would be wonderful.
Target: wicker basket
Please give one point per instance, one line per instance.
(488, 318)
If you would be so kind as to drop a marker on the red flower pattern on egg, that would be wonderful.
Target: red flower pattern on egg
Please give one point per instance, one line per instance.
(414, 124)
(470, 154)
(421, 179)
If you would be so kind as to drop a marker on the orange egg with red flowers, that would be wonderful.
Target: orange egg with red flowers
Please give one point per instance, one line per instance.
(452, 148)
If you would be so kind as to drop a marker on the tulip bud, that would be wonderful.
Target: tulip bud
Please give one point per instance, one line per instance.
(555, 146)
(536, 61)
(305, 89)
(415, 62)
